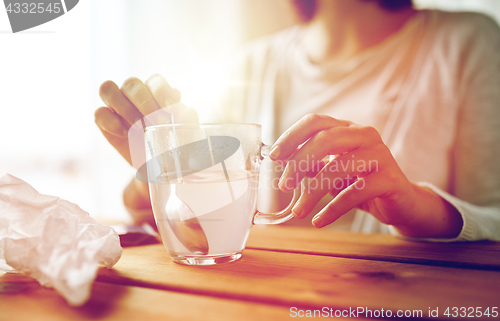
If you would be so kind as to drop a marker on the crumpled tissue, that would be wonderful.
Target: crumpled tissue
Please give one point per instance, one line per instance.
(52, 240)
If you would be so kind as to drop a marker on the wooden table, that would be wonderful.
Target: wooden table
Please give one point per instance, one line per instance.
(284, 272)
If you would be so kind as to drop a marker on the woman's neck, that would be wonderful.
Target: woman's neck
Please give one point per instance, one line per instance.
(341, 28)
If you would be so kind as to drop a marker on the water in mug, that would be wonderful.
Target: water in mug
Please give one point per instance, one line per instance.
(224, 210)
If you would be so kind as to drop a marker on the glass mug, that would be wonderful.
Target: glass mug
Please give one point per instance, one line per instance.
(203, 181)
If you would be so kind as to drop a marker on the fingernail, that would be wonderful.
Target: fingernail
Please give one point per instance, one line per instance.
(283, 184)
(297, 211)
(275, 152)
(316, 221)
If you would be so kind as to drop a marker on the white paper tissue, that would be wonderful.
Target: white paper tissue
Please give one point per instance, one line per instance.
(52, 240)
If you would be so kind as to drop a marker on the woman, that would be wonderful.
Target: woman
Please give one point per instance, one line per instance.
(414, 92)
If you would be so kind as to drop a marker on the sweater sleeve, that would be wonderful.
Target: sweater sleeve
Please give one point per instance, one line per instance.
(474, 189)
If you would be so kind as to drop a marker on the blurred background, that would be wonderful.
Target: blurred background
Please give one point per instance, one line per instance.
(50, 76)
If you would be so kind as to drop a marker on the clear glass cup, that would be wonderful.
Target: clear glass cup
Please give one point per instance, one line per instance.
(203, 181)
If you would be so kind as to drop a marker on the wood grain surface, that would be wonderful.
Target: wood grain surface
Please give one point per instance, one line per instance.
(281, 268)
(310, 281)
(30, 301)
(380, 247)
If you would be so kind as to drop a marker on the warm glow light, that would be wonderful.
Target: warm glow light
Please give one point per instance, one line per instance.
(202, 88)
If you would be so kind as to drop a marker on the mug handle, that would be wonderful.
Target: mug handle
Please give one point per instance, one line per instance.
(284, 215)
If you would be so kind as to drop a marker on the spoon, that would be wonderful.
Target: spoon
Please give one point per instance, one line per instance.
(180, 217)
(184, 224)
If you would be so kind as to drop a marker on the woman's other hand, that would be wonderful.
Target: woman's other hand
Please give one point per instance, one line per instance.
(130, 103)
(362, 174)
(124, 107)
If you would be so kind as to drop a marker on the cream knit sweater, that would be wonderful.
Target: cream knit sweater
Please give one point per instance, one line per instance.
(432, 91)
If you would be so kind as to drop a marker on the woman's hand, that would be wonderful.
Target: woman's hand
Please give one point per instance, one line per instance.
(130, 103)
(363, 174)
(124, 107)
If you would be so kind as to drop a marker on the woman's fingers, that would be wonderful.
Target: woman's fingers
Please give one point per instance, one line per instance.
(139, 95)
(333, 141)
(337, 175)
(151, 97)
(300, 132)
(364, 189)
(314, 192)
(184, 114)
(363, 174)
(163, 94)
(113, 97)
(341, 185)
(135, 106)
(115, 129)
(109, 121)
